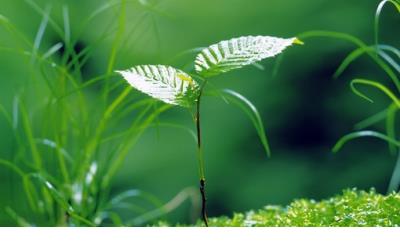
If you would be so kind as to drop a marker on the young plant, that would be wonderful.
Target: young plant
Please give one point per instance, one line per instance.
(387, 58)
(176, 87)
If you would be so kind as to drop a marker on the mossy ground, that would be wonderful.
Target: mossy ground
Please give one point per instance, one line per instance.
(353, 208)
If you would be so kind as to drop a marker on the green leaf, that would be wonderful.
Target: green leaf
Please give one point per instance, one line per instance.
(164, 83)
(376, 85)
(378, 14)
(238, 52)
(377, 117)
(251, 111)
(360, 134)
(359, 43)
(391, 125)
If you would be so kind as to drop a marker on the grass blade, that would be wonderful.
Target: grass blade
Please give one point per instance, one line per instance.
(67, 29)
(350, 58)
(42, 12)
(391, 125)
(359, 134)
(30, 137)
(356, 41)
(12, 167)
(395, 179)
(40, 33)
(371, 120)
(251, 111)
(54, 49)
(390, 60)
(378, 14)
(18, 219)
(188, 193)
(374, 84)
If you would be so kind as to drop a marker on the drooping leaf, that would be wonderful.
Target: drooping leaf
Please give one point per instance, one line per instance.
(378, 14)
(376, 85)
(359, 43)
(359, 134)
(238, 52)
(251, 111)
(164, 83)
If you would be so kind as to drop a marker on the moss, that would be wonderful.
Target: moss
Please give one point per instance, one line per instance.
(353, 208)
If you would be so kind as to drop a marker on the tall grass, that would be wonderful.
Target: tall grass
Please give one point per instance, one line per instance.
(386, 58)
(69, 143)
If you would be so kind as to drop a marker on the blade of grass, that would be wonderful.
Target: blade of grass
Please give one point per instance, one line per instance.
(27, 126)
(92, 144)
(358, 43)
(60, 200)
(114, 47)
(376, 85)
(389, 48)
(54, 49)
(390, 60)
(42, 12)
(136, 131)
(395, 179)
(40, 33)
(371, 120)
(188, 193)
(359, 134)
(12, 167)
(391, 126)
(377, 17)
(18, 219)
(67, 28)
(251, 111)
(14, 31)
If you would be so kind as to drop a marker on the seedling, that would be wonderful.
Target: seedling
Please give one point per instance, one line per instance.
(175, 87)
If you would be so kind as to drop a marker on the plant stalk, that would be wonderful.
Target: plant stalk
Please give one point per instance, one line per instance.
(201, 161)
(395, 179)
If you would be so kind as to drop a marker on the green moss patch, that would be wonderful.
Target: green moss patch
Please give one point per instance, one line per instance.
(353, 208)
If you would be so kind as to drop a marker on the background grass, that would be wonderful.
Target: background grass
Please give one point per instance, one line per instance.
(304, 109)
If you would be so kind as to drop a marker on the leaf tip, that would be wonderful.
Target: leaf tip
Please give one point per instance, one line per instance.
(297, 41)
(119, 72)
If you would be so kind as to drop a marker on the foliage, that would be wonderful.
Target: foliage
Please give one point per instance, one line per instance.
(238, 52)
(165, 83)
(386, 57)
(353, 208)
(69, 143)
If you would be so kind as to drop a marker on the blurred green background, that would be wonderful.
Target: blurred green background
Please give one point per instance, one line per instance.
(304, 109)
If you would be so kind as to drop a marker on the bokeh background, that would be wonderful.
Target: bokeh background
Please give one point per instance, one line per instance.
(304, 109)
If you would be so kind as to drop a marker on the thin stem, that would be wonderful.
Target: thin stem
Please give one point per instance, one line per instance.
(395, 180)
(201, 160)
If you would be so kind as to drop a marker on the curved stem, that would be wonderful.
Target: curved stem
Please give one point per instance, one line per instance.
(201, 160)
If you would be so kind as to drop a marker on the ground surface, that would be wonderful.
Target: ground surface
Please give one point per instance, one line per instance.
(353, 208)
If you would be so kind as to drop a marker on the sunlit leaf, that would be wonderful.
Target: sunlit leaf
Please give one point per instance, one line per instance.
(164, 83)
(238, 52)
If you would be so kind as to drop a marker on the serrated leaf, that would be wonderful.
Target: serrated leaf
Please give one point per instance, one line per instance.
(164, 83)
(238, 52)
